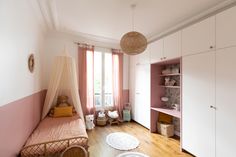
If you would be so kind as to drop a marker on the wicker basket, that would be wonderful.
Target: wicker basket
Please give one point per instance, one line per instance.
(165, 129)
(102, 121)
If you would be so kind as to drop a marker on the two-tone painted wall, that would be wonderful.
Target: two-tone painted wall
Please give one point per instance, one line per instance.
(21, 92)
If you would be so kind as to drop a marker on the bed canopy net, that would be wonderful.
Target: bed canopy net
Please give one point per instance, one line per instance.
(63, 81)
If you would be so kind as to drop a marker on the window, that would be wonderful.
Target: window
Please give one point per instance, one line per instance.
(103, 79)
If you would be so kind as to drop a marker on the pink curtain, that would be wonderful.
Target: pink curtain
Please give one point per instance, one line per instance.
(86, 89)
(117, 63)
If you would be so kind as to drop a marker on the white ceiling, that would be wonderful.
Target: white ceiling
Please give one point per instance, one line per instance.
(112, 18)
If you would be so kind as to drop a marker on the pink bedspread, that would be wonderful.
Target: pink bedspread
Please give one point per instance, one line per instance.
(56, 129)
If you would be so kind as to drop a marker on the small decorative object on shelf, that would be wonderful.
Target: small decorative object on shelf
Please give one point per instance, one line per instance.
(175, 70)
(169, 82)
(164, 99)
(166, 71)
(176, 107)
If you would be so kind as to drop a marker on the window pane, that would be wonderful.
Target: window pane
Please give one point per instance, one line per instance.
(98, 78)
(90, 74)
(108, 80)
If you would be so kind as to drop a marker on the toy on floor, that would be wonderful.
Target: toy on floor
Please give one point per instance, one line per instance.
(113, 117)
(101, 114)
(89, 122)
(101, 119)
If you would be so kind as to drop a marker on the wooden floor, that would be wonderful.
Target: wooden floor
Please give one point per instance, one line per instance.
(151, 144)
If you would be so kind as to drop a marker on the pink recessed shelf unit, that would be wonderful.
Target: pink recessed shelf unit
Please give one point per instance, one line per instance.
(159, 89)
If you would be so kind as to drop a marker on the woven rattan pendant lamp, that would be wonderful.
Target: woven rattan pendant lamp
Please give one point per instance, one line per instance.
(133, 43)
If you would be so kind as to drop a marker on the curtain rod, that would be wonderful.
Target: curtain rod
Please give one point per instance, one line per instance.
(77, 43)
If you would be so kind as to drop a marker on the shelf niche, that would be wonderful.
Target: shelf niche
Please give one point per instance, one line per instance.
(159, 89)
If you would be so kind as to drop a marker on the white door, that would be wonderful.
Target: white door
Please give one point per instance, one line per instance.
(198, 118)
(142, 97)
(225, 102)
(172, 46)
(132, 83)
(156, 51)
(226, 28)
(199, 37)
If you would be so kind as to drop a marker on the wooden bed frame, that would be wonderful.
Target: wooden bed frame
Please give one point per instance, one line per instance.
(53, 148)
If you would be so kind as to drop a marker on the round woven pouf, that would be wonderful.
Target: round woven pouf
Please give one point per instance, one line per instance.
(122, 141)
(132, 154)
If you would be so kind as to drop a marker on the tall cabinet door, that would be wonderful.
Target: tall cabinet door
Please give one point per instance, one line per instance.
(156, 51)
(225, 28)
(198, 118)
(225, 102)
(142, 95)
(172, 46)
(199, 37)
(132, 83)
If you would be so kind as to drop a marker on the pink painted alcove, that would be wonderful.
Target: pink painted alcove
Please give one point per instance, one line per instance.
(157, 91)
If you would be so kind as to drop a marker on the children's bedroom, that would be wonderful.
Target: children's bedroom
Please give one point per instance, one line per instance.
(117, 78)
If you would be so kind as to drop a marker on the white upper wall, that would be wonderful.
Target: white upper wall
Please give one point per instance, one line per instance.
(55, 44)
(21, 33)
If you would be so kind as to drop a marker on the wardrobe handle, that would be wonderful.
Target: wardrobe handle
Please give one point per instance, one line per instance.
(213, 107)
(211, 47)
(164, 57)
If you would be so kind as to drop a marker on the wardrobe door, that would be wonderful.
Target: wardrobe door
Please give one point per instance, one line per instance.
(172, 46)
(156, 51)
(198, 118)
(142, 99)
(225, 102)
(132, 83)
(199, 37)
(226, 28)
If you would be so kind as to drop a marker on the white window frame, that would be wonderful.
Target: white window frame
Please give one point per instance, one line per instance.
(103, 106)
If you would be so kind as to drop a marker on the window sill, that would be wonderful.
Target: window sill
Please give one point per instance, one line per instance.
(104, 108)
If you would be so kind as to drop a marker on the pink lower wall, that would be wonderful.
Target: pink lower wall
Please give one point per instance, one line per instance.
(125, 96)
(17, 120)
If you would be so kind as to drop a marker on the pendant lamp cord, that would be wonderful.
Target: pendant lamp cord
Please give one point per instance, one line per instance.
(133, 7)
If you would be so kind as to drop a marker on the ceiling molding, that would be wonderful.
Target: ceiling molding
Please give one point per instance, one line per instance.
(203, 15)
(53, 14)
(93, 38)
(44, 9)
(34, 4)
(50, 14)
(79, 38)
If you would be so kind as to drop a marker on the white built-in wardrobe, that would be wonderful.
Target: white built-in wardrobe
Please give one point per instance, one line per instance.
(209, 86)
(140, 88)
(208, 51)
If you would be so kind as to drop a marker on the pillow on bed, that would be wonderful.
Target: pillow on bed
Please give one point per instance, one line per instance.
(65, 111)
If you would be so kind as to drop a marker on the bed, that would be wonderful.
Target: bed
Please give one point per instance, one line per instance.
(53, 135)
